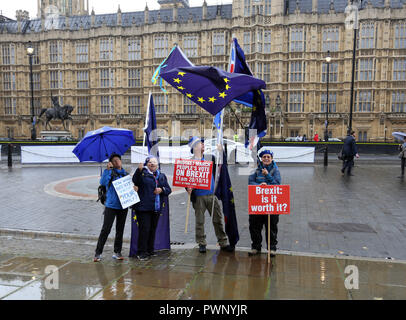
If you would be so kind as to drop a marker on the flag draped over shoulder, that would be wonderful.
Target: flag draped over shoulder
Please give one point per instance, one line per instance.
(258, 121)
(224, 192)
(162, 235)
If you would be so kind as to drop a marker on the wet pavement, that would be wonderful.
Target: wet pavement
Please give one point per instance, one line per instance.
(62, 272)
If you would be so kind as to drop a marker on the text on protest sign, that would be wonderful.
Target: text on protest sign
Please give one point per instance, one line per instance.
(269, 199)
(192, 174)
(126, 192)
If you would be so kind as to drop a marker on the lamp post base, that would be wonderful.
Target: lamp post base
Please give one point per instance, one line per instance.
(33, 134)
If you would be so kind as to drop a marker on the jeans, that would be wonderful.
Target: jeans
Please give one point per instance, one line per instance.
(109, 216)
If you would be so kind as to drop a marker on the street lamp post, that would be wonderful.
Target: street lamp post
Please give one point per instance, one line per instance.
(30, 52)
(278, 103)
(355, 27)
(328, 60)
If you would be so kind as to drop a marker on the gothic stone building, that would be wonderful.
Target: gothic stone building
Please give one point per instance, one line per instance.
(103, 64)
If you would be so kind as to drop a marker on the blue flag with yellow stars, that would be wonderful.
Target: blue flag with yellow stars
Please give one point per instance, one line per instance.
(209, 87)
(224, 192)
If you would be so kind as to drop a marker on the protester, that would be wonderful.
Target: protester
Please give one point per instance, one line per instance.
(202, 200)
(304, 138)
(349, 152)
(267, 173)
(402, 156)
(151, 185)
(113, 209)
(316, 137)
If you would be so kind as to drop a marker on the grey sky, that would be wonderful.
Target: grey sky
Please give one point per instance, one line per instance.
(9, 8)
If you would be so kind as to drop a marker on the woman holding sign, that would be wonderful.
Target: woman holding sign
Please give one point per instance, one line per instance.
(113, 209)
(151, 185)
(267, 173)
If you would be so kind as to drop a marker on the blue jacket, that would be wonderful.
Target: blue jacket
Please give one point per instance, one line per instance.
(273, 176)
(112, 200)
(146, 184)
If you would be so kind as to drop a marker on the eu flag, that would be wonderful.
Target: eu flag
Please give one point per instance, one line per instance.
(258, 120)
(209, 87)
(224, 192)
(175, 59)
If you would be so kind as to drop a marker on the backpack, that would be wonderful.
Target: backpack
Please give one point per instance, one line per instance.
(102, 190)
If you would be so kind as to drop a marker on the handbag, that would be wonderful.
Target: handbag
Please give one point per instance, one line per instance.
(340, 155)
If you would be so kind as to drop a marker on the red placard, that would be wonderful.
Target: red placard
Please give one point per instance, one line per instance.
(192, 174)
(269, 199)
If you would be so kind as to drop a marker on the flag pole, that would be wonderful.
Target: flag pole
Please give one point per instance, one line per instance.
(217, 162)
(269, 238)
(221, 130)
(146, 119)
(187, 212)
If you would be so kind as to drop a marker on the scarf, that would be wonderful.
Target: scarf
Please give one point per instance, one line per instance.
(157, 197)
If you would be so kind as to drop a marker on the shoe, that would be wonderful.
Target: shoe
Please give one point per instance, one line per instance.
(97, 258)
(142, 257)
(350, 175)
(273, 251)
(401, 177)
(202, 248)
(118, 256)
(152, 254)
(228, 248)
(254, 252)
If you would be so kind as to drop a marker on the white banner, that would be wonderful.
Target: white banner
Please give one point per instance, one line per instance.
(291, 154)
(48, 154)
(167, 154)
(125, 191)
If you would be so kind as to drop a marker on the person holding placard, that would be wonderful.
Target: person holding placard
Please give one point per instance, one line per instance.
(267, 173)
(202, 200)
(113, 209)
(151, 185)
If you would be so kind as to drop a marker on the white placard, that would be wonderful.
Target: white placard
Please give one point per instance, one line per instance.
(125, 191)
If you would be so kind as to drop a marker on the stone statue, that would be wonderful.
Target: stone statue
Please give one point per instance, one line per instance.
(57, 112)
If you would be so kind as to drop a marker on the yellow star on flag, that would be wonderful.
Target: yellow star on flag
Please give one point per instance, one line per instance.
(181, 88)
(177, 80)
(232, 200)
(222, 95)
(212, 99)
(226, 80)
(201, 100)
(227, 87)
(231, 189)
(135, 218)
(189, 95)
(181, 73)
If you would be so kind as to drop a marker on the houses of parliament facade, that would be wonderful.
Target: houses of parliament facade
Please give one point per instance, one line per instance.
(102, 64)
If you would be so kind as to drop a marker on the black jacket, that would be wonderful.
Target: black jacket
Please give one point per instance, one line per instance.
(350, 147)
(146, 184)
